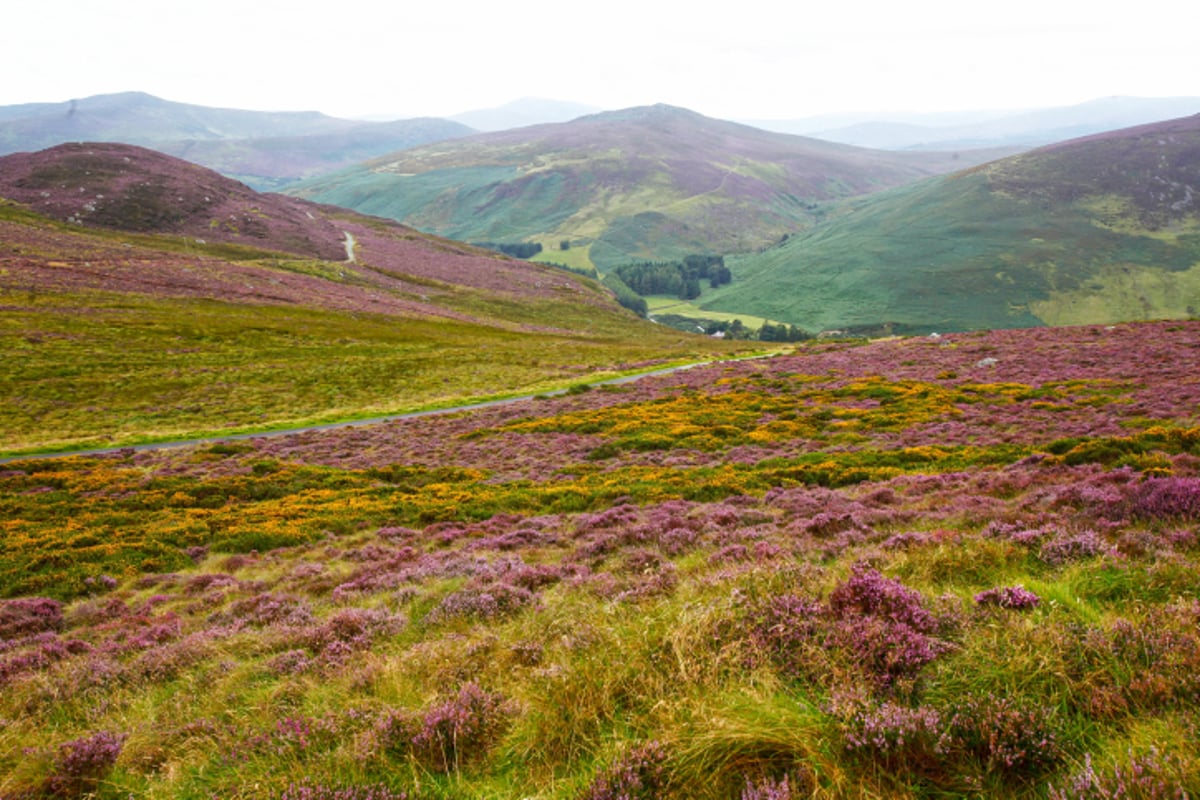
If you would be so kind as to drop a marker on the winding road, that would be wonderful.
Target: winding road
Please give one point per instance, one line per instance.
(178, 443)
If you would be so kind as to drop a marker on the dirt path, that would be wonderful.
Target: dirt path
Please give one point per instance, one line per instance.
(350, 247)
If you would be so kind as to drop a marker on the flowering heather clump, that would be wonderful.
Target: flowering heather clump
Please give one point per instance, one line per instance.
(26, 615)
(640, 774)
(768, 789)
(308, 790)
(96, 612)
(642, 561)
(143, 632)
(486, 601)
(460, 729)
(728, 514)
(1072, 547)
(48, 649)
(1153, 664)
(82, 763)
(1102, 492)
(594, 548)
(1017, 597)
(1139, 544)
(152, 579)
(87, 674)
(356, 627)
(869, 593)
(652, 584)
(289, 736)
(267, 608)
(370, 553)
(515, 540)
(1146, 777)
(730, 554)
(402, 565)
(616, 516)
(891, 652)
(397, 534)
(105, 582)
(345, 632)
(886, 625)
(895, 733)
(1005, 736)
(787, 630)
(167, 661)
(204, 581)
(291, 662)
(1017, 534)
(827, 524)
(1167, 498)
(677, 541)
(539, 576)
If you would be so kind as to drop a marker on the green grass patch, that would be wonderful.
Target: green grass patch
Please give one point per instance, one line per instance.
(99, 369)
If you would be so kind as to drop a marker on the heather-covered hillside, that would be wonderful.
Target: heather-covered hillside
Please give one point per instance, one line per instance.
(136, 189)
(963, 565)
(1096, 230)
(643, 183)
(146, 297)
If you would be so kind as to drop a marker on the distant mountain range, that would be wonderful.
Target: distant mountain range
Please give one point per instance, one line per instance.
(964, 130)
(266, 150)
(1103, 228)
(653, 182)
(1099, 229)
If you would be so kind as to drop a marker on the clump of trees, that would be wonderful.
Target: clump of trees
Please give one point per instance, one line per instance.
(522, 250)
(782, 333)
(767, 333)
(683, 279)
(626, 296)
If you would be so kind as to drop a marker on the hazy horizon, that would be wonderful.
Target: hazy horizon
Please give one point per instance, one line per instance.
(359, 60)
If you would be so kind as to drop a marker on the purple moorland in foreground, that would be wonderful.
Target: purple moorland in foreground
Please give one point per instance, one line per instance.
(954, 566)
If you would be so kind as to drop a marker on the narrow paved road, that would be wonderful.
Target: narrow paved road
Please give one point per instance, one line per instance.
(100, 451)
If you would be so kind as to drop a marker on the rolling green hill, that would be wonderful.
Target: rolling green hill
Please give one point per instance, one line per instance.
(1099, 229)
(644, 183)
(146, 298)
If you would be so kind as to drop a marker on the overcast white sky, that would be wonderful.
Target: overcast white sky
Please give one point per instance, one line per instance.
(748, 59)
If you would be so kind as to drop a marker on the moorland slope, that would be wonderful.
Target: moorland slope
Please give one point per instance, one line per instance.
(654, 182)
(146, 297)
(1099, 229)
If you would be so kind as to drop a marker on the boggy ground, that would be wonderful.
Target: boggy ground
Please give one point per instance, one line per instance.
(951, 566)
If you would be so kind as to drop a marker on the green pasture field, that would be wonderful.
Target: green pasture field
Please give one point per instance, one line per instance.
(660, 304)
(950, 254)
